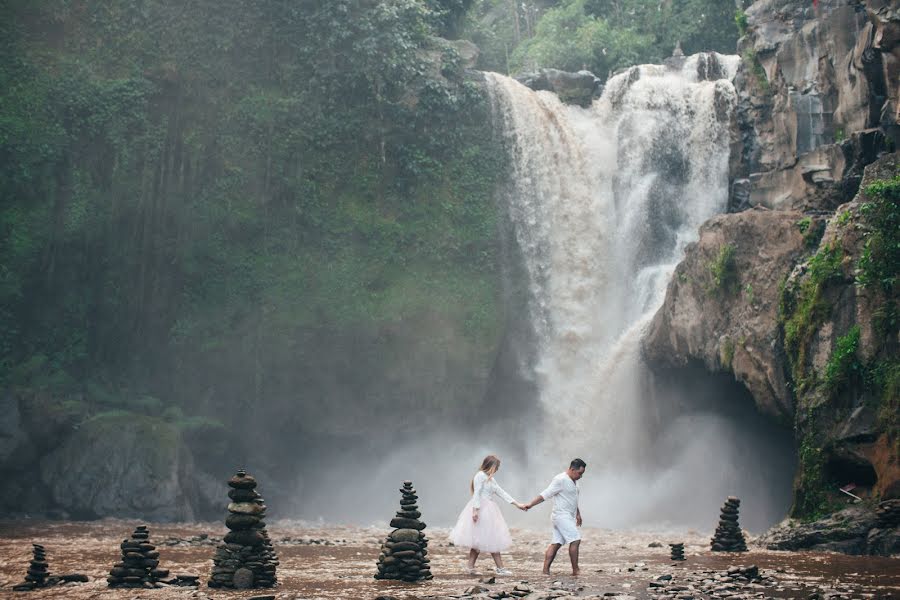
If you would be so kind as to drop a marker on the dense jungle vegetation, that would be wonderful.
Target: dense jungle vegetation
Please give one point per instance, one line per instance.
(214, 211)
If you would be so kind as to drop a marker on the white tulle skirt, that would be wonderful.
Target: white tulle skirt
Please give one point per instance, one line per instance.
(489, 534)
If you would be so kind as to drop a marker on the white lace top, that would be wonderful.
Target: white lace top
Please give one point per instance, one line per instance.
(485, 487)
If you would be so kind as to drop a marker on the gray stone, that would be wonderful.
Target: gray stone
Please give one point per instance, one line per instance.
(243, 579)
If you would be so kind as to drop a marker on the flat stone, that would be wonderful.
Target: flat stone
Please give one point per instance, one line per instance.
(242, 481)
(401, 523)
(247, 508)
(405, 535)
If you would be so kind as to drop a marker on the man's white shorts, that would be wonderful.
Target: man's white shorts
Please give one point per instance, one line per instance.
(564, 531)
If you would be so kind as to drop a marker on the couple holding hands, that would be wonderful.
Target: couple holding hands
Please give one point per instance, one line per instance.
(481, 526)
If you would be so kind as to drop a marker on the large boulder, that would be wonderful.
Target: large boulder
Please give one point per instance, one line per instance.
(721, 307)
(846, 531)
(573, 88)
(122, 465)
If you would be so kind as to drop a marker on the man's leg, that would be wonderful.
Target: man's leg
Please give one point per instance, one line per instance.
(549, 555)
(573, 556)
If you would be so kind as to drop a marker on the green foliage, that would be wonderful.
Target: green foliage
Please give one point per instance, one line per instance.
(723, 271)
(879, 264)
(599, 35)
(843, 365)
(814, 499)
(756, 70)
(740, 21)
(812, 231)
(802, 311)
(882, 378)
(570, 39)
(844, 217)
(192, 187)
(726, 353)
(448, 15)
(749, 294)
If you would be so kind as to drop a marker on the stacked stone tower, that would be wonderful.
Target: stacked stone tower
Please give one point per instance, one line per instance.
(729, 537)
(677, 551)
(246, 559)
(404, 553)
(140, 559)
(38, 570)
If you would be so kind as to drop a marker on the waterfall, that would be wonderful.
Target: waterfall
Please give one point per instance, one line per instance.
(601, 204)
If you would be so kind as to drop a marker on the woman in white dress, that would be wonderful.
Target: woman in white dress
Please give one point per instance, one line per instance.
(481, 526)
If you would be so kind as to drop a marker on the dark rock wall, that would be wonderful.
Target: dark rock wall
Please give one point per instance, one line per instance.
(771, 293)
(817, 98)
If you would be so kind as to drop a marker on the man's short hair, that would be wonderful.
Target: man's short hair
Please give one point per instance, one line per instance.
(577, 464)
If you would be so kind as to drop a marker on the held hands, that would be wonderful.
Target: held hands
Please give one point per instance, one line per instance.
(578, 520)
(521, 506)
(475, 515)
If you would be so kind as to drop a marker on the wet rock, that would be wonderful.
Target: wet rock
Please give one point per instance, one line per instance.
(574, 88)
(404, 551)
(246, 559)
(140, 463)
(729, 537)
(138, 566)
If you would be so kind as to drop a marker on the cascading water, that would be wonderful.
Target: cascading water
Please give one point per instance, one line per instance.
(601, 204)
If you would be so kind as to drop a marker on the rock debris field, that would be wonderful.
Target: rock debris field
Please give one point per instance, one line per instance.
(318, 561)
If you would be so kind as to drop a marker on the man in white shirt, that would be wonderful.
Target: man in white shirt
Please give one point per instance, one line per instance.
(566, 517)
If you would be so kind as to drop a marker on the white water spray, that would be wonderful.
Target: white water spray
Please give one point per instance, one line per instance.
(602, 203)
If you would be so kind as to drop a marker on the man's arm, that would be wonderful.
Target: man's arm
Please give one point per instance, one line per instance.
(578, 517)
(534, 502)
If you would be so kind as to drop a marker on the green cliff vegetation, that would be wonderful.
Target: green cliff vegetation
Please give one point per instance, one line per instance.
(862, 371)
(204, 202)
(601, 36)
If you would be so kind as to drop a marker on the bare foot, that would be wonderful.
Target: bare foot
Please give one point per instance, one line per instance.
(576, 572)
(545, 572)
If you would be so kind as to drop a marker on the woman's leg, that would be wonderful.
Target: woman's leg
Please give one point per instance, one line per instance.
(473, 554)
(497, 560)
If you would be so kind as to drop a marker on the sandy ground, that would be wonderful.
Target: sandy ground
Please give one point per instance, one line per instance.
(339, 561)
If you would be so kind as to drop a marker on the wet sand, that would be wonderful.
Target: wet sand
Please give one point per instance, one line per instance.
(339, 561)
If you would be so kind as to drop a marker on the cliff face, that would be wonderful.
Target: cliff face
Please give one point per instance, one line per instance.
(794, 293)
(818, 96)
(722, 304)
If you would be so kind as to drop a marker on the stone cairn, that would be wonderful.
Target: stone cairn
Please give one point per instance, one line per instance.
(246, 560)
(38, 570)
(404, 553)
(39, 574)
(140, 560)
(677, 551)
(729, 537)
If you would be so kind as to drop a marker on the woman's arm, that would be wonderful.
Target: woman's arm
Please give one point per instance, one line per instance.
(502, 493)
(478, 485)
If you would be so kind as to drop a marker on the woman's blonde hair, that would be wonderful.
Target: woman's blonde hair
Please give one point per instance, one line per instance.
(489, 465)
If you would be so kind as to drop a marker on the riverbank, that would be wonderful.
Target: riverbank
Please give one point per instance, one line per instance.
(331, 562)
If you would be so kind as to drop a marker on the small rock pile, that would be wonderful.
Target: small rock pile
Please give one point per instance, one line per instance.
(404, 553)
(887, 514)
(677, 551)
(140, 562)
(729, 537)
(246, 559)
(38, 570)
(736, 582)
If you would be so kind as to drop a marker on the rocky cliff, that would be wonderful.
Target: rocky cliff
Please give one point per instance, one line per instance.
(818, 100)
(794, 292)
